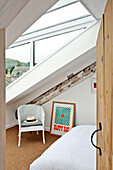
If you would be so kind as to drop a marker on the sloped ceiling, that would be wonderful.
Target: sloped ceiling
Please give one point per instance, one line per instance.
(9, 9)
(18, 15)
(30, 11)
(96, 7)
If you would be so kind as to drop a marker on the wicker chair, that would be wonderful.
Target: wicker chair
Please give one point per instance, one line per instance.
(31, 110)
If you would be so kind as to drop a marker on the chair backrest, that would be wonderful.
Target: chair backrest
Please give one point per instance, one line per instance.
(31, 110)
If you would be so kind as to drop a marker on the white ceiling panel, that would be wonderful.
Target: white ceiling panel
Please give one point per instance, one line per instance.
(96, 7)
(9, 10)
(3, 3)
(62, 3)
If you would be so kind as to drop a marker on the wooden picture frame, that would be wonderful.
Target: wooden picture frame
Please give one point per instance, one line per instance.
(62, 117)
(93, 85)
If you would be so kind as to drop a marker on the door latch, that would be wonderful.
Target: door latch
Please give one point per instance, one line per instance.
(100, 128)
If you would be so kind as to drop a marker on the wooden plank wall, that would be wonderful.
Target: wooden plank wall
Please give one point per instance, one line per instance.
(108, 85)
(105, 89)
(100, 91)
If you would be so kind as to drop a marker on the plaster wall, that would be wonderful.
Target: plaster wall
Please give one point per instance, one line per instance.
(80, 94)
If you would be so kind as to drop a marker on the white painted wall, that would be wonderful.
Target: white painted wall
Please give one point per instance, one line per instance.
(85, 103)
(79, 94)
(10, 115)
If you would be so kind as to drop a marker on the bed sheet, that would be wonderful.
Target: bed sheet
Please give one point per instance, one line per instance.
(73, 151)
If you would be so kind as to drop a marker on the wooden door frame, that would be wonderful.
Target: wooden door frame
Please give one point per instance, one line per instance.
(2, 100)
(105, 89)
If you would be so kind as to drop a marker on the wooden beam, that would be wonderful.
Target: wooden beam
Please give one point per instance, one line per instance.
(2, 99)
(63, 86)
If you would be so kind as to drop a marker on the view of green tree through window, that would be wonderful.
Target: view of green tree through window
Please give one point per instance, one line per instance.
(17, 62)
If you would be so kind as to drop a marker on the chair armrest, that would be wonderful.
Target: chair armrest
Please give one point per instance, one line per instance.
(43, 118)
(19, 118)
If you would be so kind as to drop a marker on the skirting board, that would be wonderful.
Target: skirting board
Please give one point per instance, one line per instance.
(47, 129)
(11, 125)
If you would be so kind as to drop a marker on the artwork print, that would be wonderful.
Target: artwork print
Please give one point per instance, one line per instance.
(62, 117)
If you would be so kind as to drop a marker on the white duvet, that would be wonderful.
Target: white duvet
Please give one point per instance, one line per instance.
(73, 151)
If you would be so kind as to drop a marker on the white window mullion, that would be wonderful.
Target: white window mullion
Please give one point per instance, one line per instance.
(31, 54)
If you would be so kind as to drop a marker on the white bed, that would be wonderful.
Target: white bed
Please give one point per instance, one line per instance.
(73, 151)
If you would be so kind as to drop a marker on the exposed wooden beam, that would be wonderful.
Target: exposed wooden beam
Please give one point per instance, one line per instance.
(63, 86)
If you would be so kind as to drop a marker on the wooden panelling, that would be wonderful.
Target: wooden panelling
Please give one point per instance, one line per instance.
(105, 88)
(100, 91)
(112, 80)
(108, 86)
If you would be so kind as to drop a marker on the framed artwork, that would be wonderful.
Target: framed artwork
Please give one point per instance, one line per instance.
(62, 118)
(93, 85)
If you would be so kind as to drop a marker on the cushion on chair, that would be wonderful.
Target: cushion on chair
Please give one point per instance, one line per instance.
(27, 124)
(30, 110)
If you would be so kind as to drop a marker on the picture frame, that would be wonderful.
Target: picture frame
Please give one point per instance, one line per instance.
(93, 85)
(62, 117)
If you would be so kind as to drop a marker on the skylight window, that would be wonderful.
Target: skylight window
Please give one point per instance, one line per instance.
(59, 16)
(61, 24)
(45, 48)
